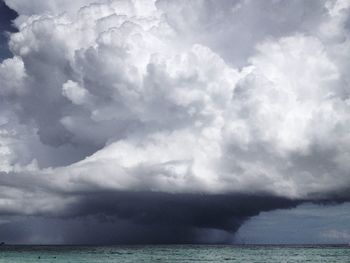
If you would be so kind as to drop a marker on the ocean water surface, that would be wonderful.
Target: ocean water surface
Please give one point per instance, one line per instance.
(175, 253)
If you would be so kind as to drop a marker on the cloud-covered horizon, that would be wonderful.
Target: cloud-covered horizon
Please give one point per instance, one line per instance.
(111, 98)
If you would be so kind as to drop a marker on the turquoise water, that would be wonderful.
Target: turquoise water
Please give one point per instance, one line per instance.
(177, 253)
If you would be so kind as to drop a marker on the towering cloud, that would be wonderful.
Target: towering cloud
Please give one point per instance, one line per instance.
(189, 115)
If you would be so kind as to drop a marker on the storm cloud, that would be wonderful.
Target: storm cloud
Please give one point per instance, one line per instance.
(171, 117)
(143, 217)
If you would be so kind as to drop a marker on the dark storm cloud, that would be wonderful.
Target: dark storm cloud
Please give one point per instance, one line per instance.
(224, 212)
(163, 121)
(145, 217)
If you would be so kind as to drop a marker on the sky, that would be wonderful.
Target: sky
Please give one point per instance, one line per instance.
(6, 17)
(163, 121)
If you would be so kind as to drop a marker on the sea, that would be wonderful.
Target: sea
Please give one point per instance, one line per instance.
(177, 253)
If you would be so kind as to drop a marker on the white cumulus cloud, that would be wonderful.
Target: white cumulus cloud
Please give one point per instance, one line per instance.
(169, 97)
